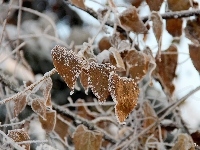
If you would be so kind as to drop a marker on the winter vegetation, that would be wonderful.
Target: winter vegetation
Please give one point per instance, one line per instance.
(97, 75)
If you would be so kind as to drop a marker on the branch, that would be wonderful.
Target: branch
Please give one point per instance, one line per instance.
(84, 121)
(46, 75)
(167, 15)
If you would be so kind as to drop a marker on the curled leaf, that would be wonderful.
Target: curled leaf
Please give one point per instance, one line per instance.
(39, 107)
(49, 124)
(124, 91)
(46, 88)
(68, 64)
(166, 69)
(86, 139)
(130, 21)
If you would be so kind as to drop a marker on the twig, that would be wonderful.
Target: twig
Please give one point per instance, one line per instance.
(46, 75)
(38, 14)
(84, 121)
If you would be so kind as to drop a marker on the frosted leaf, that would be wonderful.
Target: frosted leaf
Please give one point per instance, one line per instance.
(174, 26)
(46, 88)
(19, 104)
(49, 124)
(116, 59)
(98, 79)
(20, 135)
(86, 139)
(130, 21)
(39, 107)
(68, 64)
(137, 64)
(165, 70)
(124, 91)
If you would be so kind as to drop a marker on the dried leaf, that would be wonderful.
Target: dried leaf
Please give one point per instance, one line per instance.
(184, 143)
(192, 30)
(104, 44)
(195, 55)
(86, 139)
(154, 5)
(20, 135)
(68, 64)
(61, 128)
(136, 3)
(116, 59)
(177, 5)
(137, 64)
(39, 107)
(130, 21)
(196, 137)
(79, 3)
(174, 27)
(19, 104)
(151, 116)
(157, 29)
(166, 69)
(46, 88)
(49, 124)
(98, 79)
(124, 91)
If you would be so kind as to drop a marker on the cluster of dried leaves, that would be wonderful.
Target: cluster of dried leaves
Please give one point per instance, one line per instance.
(119, 70)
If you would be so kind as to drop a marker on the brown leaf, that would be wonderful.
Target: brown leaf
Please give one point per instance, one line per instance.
(20, 135)
(86, 139)
(177, 5)
(196, 137)
(151, 116)
(166, 69)
(124, 92)
(174, 26)
(84, 79)
(49, 124)
(61, 128)
(184, 143)
(136, 3)
(104, 44)
(130, 21)
(39, 107)
(19, 104)
(137, 63)
(195, 56)
(154, 5)
(79, 3)
(157, 29)
(98, 79)
(192, 30)
(116, 59)
(46, 88)
(68, 64)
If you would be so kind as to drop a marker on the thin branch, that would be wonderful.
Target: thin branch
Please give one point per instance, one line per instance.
(84, 121)
(46, 75)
